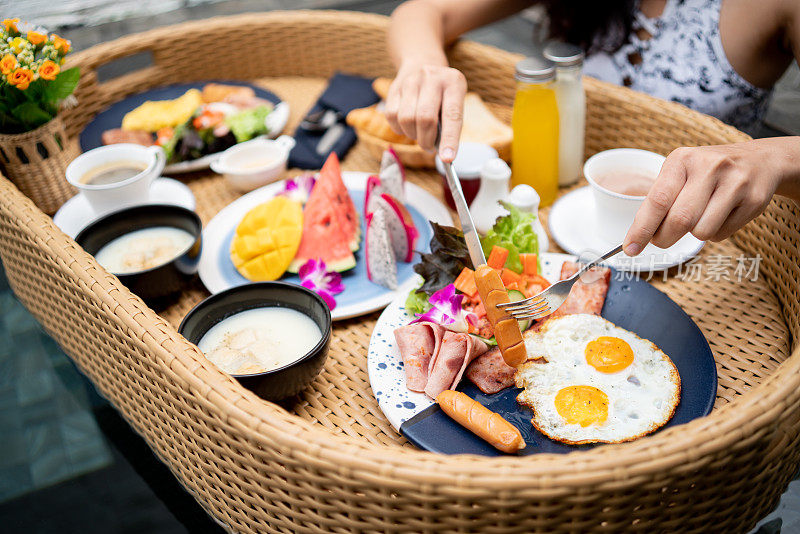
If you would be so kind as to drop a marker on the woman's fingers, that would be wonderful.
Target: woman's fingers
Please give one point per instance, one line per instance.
(685, 211)
(455, 90)
(392, 104)
(719, 209)
(428, 105)
(407, 114)
(657, 204)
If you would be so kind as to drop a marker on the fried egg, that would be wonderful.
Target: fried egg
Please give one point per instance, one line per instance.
(590, 381)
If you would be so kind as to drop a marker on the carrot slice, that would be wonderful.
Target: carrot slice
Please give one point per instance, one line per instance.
(497, 257)
(530, 264)
(539, 280)
(465, 282)
(509, 277)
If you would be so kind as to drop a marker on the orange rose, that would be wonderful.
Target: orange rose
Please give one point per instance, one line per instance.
(61, 44)
(21, 78)
(49, 70)
(8, 63)
(36, 38)
(11, 25)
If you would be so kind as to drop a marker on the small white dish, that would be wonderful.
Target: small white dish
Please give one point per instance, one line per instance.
(573, 226)
(276, 122)
(76, 213)
(255, 163)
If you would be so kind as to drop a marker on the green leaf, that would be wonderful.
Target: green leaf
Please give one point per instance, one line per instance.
(448, 257)
(514, 232)
(63, 86)
(31, 115)
(417, 302)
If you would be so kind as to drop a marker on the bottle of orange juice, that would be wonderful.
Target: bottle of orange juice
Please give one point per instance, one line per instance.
(534, 150)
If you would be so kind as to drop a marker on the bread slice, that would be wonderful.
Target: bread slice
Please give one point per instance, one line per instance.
(481, 126)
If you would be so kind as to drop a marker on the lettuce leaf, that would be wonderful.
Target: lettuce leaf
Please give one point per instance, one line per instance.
(249, 123)
(446, 260)
(514, 232)
(417, 302)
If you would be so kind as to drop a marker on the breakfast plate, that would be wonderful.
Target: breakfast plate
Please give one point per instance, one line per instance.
(572, 225)
(360, 296)
(632, 304)
(76, 213)
(112, 116)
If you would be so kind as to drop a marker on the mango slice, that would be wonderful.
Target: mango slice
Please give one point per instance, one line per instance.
(267, 239)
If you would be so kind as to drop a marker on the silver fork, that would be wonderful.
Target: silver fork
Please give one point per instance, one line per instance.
(553, 297)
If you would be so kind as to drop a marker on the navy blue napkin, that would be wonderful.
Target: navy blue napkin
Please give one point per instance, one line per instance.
(343, 94)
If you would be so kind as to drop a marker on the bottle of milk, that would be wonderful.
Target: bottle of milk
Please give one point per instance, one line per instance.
(571, 108)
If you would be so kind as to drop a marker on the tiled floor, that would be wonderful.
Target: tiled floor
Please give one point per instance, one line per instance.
(50, 434)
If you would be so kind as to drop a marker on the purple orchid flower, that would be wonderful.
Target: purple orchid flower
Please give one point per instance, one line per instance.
(446, 310)
(314, 275)
(299, 188)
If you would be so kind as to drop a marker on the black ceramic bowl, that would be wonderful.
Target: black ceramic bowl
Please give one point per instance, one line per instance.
(155, 284)
(285, 381)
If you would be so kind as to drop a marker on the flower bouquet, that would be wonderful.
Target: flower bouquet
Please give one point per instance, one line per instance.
(34, 148)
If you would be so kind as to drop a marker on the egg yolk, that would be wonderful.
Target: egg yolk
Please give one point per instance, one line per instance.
(584, 405)
(609, 354)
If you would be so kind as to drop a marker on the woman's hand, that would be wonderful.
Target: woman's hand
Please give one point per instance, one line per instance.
(715, 190)
(419, 95)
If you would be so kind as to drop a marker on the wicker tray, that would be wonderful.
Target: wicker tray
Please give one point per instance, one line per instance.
(329, 461)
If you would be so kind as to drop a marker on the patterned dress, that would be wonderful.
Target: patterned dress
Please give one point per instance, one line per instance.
(684, 62)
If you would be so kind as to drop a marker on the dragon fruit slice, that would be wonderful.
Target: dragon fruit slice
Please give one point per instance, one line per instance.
(389, 157)
(381, 263)
(392, 175)
(374, 190)
(402, 231)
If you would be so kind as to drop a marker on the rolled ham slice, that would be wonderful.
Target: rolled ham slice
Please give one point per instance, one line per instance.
(418, 342)
(448, 365)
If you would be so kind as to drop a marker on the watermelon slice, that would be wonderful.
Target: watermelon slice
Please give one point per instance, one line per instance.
(331, 227)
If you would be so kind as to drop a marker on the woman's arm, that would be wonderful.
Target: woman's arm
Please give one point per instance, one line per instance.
(425, 87)
(713, 191)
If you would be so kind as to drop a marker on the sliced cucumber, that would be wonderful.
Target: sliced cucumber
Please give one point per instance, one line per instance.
(514, 296)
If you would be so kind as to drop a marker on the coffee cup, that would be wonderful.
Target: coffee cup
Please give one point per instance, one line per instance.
(620, 179)
(116, 176)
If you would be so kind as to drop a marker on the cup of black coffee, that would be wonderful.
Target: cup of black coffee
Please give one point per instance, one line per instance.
(116, 176)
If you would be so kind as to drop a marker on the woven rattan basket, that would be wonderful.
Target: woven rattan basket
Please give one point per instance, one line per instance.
(36, 162)
(331, 461)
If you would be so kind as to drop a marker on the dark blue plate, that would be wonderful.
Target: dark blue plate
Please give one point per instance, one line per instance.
(111, 117)
(632, 304)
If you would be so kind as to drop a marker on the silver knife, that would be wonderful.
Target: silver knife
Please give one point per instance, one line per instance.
(467, 226)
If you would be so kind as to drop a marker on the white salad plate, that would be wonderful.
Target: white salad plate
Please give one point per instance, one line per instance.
(276, 122)
(76, 213)
(360, 296)
(384, 364)
(572, 225)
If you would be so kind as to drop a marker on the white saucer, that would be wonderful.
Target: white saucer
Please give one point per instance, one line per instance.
(76, 213)
(572, 225)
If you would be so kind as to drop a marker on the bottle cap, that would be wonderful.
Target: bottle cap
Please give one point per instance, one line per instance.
(496, 169)
(524, 197)
(469, 160)
(563, 54)
(535, 69)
